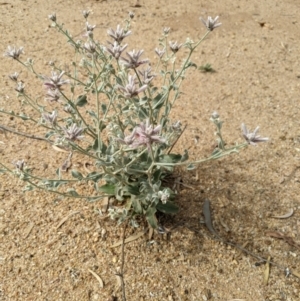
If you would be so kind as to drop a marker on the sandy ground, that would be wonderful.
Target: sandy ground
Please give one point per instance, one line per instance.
(256, 57)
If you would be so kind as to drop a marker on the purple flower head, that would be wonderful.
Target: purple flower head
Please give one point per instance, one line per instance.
(73, 132)
(164, 195)
(147, 76)
(19, 165)
(176, 126)
(166, 30)
(14, 76)
(20, 87)
(144, 134)
(69, 109)
(90, 47)
(131, 89)
(175, 46)
(52, 17)
(133, 60)
(86, 13)
(53, 95)
(211, 23)
(119, 34)
(55, 82)
(252, 138)
(89, 27)
(13, 52)
(116, 49)
(50, 118)
(160, 52)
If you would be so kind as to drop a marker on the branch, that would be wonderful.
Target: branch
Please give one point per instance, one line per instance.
(11, 130)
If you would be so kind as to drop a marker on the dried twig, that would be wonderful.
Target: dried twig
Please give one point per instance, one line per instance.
(176, 139)
(121, 274)
(97, 277)
(208, 223)
(287, 215)
(267, 271)
(66, 218)
(8, 129)
(29, 229)
(285, 238)
(129, 239)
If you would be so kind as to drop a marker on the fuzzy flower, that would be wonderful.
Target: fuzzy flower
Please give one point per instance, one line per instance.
(88, 33)
(131, 15)
(160, 52)
(144, 134)
(52, 17)
(147, 76)
(164, 195)
(86, 13)
(50, 118)
(215, 115)
(211, 23)
(69, 109)
(20, 87)
(55, 82)
(133, 60)
(116, 49)
(53, 95)
(175, 46)
(73, 132)
(131, 90)
(90, 47)
(176, 126)
(13, 52)
(14, 76)
(89, 27)
(166, 30)
(119, 34)
(252, 138)
(19, 165)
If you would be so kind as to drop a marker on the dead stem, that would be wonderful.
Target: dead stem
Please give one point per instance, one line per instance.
(123, 262)
(8, 129)
(176, 140)
(208, 223)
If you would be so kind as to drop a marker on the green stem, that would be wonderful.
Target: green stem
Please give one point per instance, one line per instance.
(218, 155)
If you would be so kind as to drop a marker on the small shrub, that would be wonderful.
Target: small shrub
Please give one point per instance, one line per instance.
(114, 111)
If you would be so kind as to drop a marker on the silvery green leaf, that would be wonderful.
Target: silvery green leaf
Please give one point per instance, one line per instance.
(119, 193)
(136, 205)
(72, 192)
(171, 158)
(134, 190)
(185, 156)
(157, 175)
(28, 187)
(190, 167)
(168, 109)
(92, 113)
(103, 108)
(216, 151)
(108, 189)
(24, 117)
(76, 174)
(167, 208)
(94, 176)
(81, 101)
(151, 218)
(158, 101)
(58, 172)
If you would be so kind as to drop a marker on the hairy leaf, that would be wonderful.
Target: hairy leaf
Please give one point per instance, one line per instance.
(167, 208)
(81, 101)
